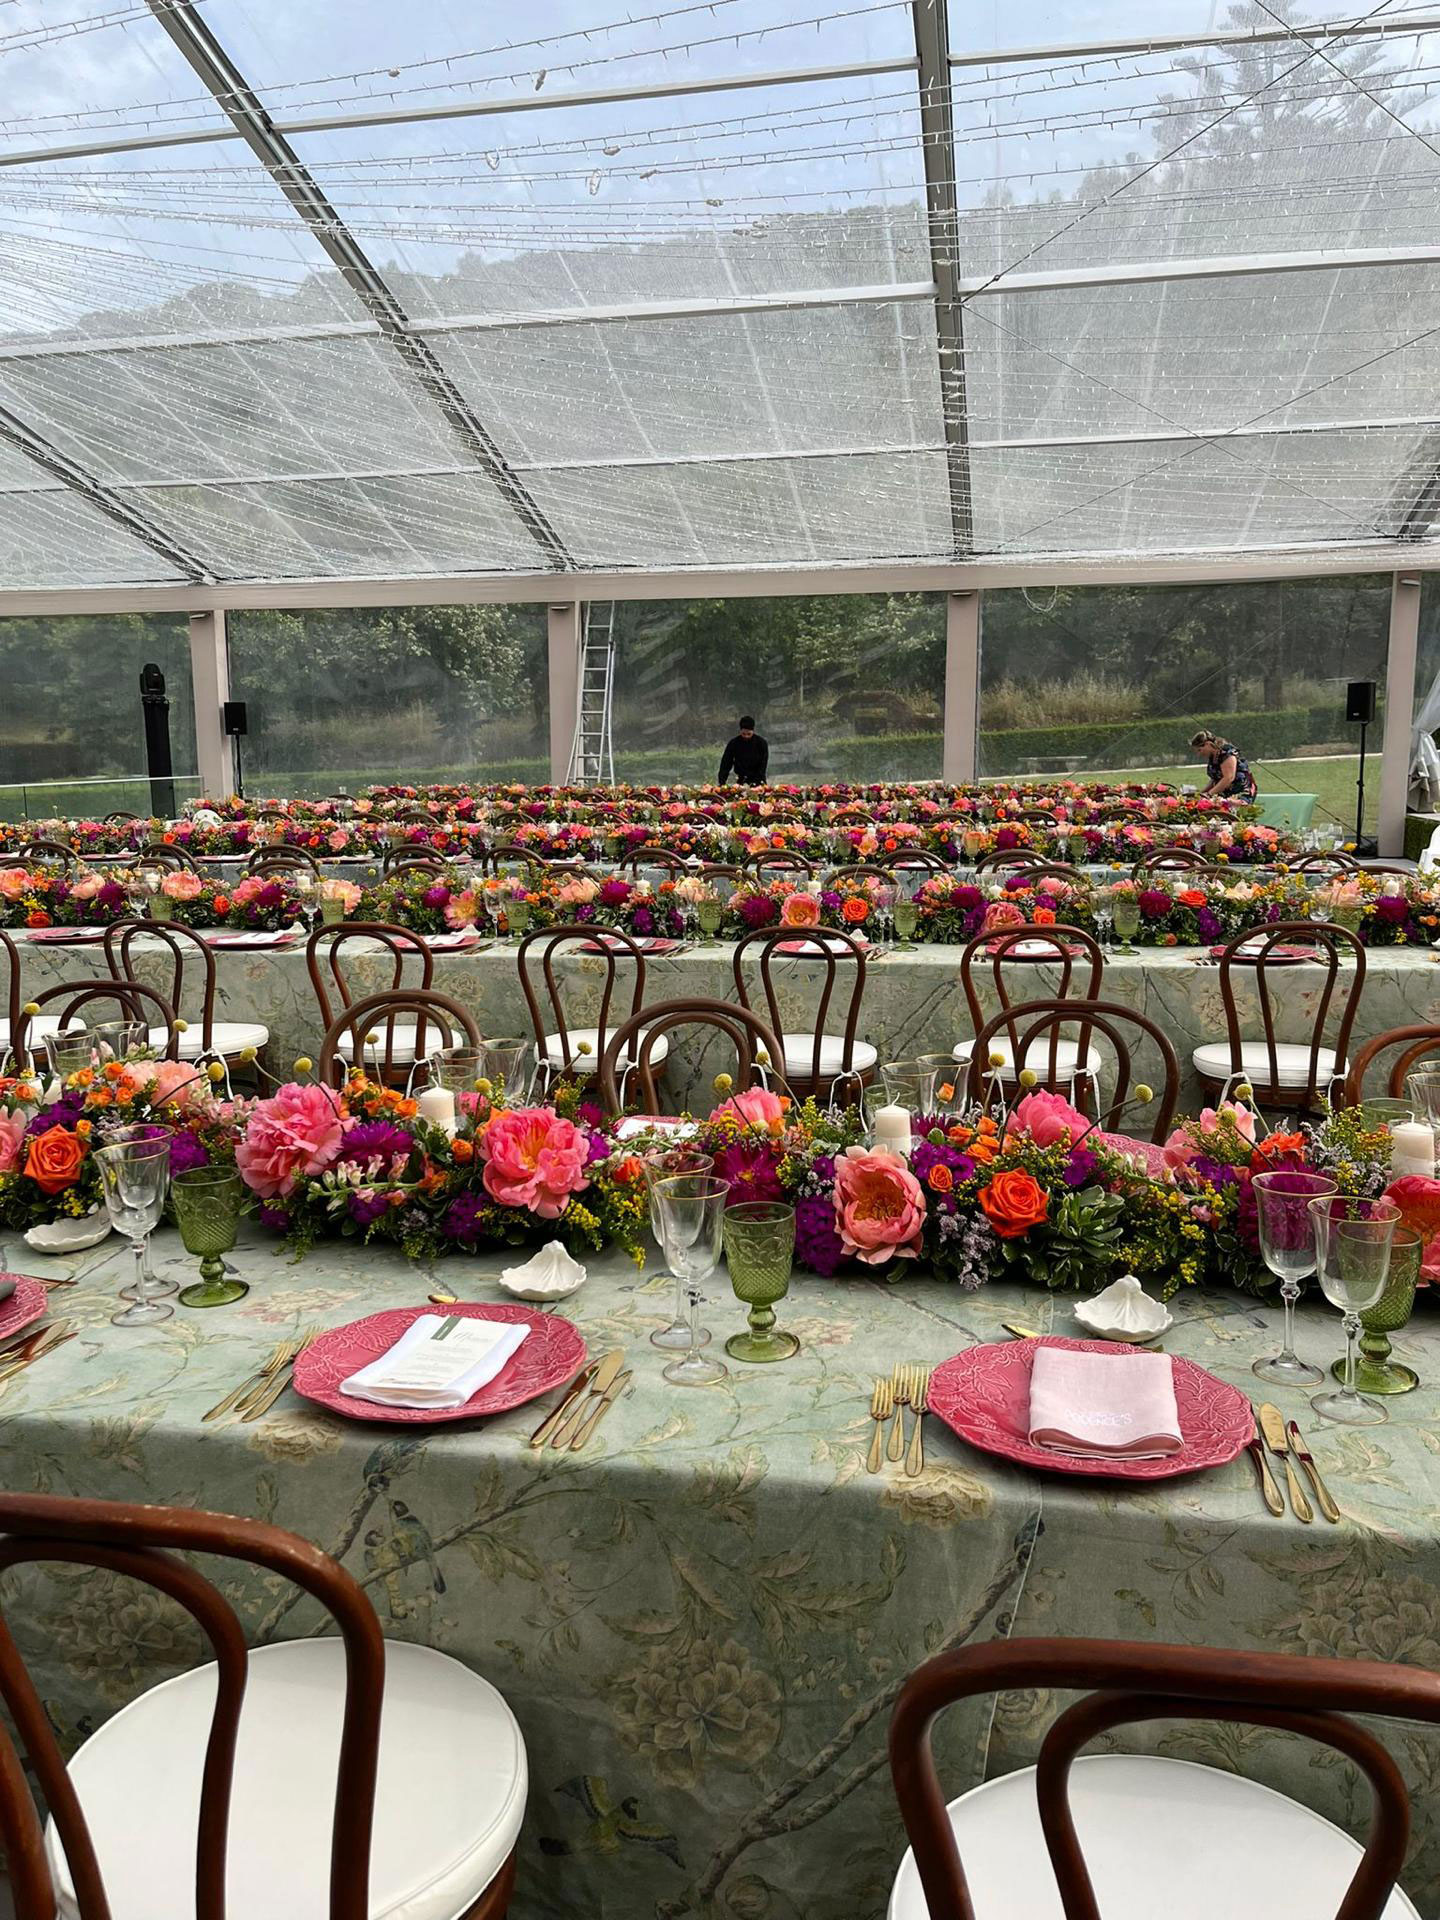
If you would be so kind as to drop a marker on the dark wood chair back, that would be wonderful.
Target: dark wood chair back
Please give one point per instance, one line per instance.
(1336, 862)
(835, 952)
(1417, 1043)
(152, 1545)
(1075, 877)
(11, 1006)
(374, 1022)
(292, 859)
(135, 1000)
(713, 870)
(1169, 860)
(119, 815)
(32, 853)
(918, 860)
(609, 948)
(1065, 948)
(411, 962)
(652, 854)
(1043, 816)
(1008, 857)
(1127, 1683)
(397, 859)
(755, 1044)
(1260, 962)
(780, 860)
(158, 853)
(862, 870)
(1033, 1033)
(505, 853)
(120, 938)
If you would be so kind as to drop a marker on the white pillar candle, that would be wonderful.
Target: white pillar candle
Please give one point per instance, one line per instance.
(436, 1105)
(892, 1129)
(1393, 885)
(1412, 1149)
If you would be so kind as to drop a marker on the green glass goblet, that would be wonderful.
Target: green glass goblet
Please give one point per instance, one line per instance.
(1375, 1371)
(710, 913)
(760, 1250)
(907, 918)
(1127, 923)
(207, 1212)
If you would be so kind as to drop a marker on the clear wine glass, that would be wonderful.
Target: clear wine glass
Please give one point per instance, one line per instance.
(666, 1163)
(691, 1211)
(1352, 1250)
(1287, 1242)
(135, 1178)
(695, 1370)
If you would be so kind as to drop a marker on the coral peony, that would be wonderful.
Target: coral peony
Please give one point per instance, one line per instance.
(800, 910)
(13, 882)
(463, 909)
(534, 1159)
(1418, 1199)
(182, 886)
(1001, 915)
(173, 1080)
(12, 1139)
(879, 1206)
(1047, 1117)
(758, 1108)
(297, 1131)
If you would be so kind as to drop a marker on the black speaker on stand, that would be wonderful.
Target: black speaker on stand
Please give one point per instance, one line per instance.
(1360, 707)
(233, 720)
(155, 707)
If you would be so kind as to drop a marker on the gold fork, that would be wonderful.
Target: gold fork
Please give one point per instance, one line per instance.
(259, 1404)
(895, 1445)
(52, 1336)
(919, 1397)
(254, 1379)
(882, 1404)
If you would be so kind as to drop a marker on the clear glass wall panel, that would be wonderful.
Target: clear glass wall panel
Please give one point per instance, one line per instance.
(1115, 680)
(843, 688)
(348, 696)
(72, 733)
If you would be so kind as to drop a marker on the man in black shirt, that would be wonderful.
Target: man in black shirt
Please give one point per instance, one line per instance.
(747, 755)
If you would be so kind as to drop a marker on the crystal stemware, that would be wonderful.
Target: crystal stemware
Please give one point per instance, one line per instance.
(665, 1163)
(690, 1208)
(207, 1212)
(694, 1370)
(134, 1179)
(1352, 1251)
(1375, 1371)
(760, 1252)
(1287, 1243)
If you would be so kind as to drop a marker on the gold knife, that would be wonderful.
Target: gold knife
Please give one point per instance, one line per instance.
(1269, 1492)
(600, 1384)
(576, 1390)
(607, 1399)
(1307, 1460)
(1272, 1425)
(1021, 1332)
(55, 1336)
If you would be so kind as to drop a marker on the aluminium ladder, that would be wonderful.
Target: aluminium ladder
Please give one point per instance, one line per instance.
(592, 758)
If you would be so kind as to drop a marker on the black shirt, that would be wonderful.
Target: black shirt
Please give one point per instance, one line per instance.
(748, 759)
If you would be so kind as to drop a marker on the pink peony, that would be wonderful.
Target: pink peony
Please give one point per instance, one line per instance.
(337, 839)
(182, 886)
(175, 1080)
(534, 1159)
(12, 1140)
(1000, 915)
(87, 886)
(758, 1109)
(297, 1131)
(1181, 1149)
(463, 909)
(1047, 1117)
(879, 1206)
(13, 882)
(800, 910)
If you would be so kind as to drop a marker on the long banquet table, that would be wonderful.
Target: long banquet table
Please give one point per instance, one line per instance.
(701, 1620)
(913, 1001)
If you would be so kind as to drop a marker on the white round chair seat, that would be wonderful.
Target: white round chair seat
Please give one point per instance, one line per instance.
(1037, 1058)
(585, 1051)
(798, 1050)
(448, 1805)
(1160, 1837)
(226, 1037)
(402, 1046)
(40, 1025)
(1292, 1063)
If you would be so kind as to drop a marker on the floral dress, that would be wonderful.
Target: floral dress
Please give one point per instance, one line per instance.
(1242, 787)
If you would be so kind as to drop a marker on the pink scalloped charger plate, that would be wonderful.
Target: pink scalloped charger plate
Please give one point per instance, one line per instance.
(26, 1303)
(553, 1354)
(983, 1395)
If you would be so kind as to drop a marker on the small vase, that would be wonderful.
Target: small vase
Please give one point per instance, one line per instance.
(162, 907)
(332, 912)
(1375, 1371)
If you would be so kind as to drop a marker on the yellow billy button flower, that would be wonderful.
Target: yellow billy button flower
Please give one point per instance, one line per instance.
(762, 1058)
(584, 1047)
(216, 1072)
(722, 1083)
(181, 1026)
(247, 1056)
(1244, 1091)
(32, 1007)
(1029, 1078)
(997, 1059)
(304, 1064)
(1144, 1095)
(487, 1087)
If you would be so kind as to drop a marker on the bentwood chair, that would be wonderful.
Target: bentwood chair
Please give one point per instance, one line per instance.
(815, 1060)
(1293, 1074)
(33, 853)
(651, 855)
(1077, 958)
(387, 1033)
(411, 965)
(1008, 857)
(777, 860)
(119, 816)
(1037, 1032)
(401, 859)
(227, 1039)
(573, 1052)
(1160, 1835)
(754, 1045)
(285, 858)
(158, 853)
(1417, 1043)
(134, 999)
(1169, 860)
(339, 1777)
(40, 1024)
(1331, 863)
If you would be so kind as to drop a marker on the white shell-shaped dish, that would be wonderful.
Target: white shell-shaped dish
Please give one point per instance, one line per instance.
(68, 1236)
(551, 1274)
(1124, 1311)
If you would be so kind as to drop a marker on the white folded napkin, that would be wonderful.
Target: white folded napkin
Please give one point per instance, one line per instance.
(1104, 1405)
(423, 1370)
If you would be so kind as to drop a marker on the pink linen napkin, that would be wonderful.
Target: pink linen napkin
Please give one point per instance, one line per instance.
(1098, 1405)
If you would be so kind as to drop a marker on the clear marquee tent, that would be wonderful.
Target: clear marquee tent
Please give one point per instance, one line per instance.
(340, 302)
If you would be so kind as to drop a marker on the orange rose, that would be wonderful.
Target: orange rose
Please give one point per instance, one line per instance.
(54, 1160)
(940, 1179)
(1043, 916)
(37, 919)
(222, 903)
(462, 1151)
(1191, 897)
(854, 910)
(1013, 1203)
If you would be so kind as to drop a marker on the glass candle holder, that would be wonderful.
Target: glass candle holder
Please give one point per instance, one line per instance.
(760, 1252)
(207, 1211)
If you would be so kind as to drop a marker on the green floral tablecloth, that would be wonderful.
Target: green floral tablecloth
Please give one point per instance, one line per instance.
(701, 1620)
(913, 1001)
